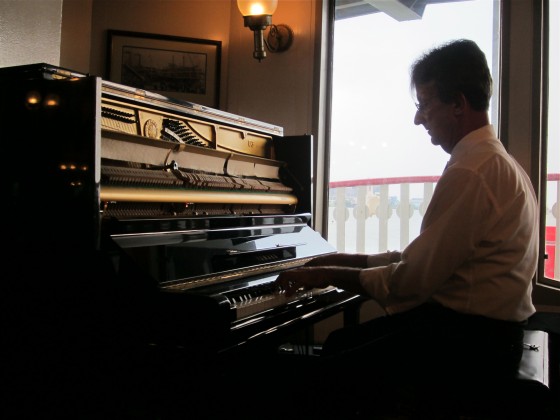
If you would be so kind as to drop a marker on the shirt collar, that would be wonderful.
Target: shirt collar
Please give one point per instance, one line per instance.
(484, 133)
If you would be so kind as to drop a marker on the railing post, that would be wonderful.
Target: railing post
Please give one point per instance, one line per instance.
(360, 215)
(340, 212)
(428, 192)
(404, 213)
(384, 212)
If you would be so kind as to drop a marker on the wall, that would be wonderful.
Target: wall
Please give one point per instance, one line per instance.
(76, 35)
(277, 90)
(192, 19)
(30, 32)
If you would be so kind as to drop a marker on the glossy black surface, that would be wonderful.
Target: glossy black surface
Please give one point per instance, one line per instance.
(165, 281)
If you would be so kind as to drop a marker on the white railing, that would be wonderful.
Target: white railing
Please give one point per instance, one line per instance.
(376, 215)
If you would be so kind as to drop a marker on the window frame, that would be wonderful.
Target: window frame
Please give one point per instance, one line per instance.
(542, 41)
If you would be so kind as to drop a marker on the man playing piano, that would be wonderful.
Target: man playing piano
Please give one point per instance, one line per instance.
(457, 296)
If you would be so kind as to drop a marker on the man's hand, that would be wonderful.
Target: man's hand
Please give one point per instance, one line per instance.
(306, 278)
(299, 279)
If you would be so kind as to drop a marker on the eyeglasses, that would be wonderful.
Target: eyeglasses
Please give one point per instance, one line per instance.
(423, 107)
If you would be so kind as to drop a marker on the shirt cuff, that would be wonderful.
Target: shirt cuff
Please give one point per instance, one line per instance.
(375, 281)
(384, 258)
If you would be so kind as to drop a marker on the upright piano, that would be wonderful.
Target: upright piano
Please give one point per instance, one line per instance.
(137, 218)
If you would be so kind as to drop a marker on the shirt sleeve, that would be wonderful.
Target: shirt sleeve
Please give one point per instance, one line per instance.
(384, 258)
(450, 230)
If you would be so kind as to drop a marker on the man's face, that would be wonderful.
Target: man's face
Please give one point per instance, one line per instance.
(439, 119)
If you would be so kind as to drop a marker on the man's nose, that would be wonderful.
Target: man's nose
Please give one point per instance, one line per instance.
(418, 118)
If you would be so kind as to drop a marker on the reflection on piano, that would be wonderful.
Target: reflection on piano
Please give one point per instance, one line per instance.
(156, 219)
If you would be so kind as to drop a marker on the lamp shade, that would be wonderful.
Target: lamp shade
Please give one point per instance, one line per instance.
(257, 7)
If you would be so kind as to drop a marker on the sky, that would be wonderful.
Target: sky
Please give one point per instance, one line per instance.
(373, 134)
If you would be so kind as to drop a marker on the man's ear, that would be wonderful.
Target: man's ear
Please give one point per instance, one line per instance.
(460, 103)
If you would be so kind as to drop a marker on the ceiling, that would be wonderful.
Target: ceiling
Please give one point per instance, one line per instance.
(400, 10)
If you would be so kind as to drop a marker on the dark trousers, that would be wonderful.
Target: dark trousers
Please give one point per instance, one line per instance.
(430, 359)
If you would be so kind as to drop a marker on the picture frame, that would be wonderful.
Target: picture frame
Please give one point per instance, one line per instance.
(187, 69)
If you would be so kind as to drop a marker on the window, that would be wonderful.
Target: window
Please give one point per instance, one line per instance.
(382, 167)
(552, 169)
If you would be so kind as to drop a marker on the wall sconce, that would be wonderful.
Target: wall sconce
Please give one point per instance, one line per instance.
(257, 15)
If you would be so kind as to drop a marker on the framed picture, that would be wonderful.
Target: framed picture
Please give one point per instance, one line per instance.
(181, 68)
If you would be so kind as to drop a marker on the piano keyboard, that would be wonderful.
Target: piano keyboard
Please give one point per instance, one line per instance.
(263, 296)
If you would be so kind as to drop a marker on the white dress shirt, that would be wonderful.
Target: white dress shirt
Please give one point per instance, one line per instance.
(478, 245)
